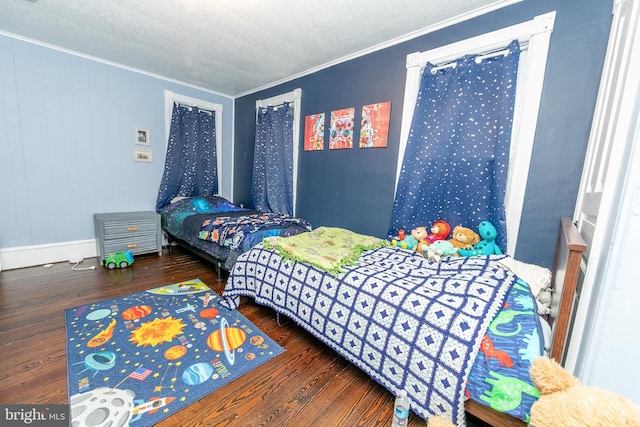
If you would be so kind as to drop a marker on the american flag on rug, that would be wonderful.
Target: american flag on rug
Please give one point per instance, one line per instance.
(140, 374)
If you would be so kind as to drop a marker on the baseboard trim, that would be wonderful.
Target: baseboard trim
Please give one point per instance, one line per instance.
(29, 256)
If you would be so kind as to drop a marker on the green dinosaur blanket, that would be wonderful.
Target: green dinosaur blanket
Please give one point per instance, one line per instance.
(328, 248)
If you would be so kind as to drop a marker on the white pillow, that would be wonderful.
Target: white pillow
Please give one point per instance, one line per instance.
(177, 199)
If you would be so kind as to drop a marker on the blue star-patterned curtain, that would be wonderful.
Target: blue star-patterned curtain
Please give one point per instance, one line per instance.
(191, 165)
(272, 183)
(457, 156)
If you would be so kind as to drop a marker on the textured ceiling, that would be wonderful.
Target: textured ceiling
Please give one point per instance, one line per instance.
(230, 47)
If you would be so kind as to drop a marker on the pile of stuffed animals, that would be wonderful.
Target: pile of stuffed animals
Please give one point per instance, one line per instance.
(434, 244)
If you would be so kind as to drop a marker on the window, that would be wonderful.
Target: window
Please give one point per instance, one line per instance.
(170, 98)
(534, 36)
(295, 98)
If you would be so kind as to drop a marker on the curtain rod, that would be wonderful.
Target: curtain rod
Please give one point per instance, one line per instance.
(478, 59)
(181, 104)
(504, 52)
(276, 106)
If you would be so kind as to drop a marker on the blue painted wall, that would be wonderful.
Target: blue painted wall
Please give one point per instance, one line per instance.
(354, 188)
(67, 138)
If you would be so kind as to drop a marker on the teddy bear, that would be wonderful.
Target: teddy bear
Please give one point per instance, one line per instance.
(463, 237)
(486, 246)
(439, 231)
(439, 422)
(564, 401)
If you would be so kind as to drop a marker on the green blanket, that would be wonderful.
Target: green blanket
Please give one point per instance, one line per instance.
(328, 248)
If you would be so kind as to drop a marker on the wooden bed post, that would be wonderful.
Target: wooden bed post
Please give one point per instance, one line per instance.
(566, 270)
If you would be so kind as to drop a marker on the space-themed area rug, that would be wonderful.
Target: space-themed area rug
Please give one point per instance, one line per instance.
(137, 359)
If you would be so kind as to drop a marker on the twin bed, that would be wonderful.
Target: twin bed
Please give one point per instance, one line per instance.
(458, 336)
(219, 231)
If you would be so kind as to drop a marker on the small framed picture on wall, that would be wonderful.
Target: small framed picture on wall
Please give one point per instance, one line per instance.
(142, 136)
(141, 155)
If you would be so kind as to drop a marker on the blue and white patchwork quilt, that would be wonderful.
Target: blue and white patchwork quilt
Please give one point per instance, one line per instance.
(408, 323)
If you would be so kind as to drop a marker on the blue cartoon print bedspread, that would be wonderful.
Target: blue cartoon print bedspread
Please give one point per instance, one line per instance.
(174, 215)
(408, 323)
(500, 375)
(183, 220)
(232, 231)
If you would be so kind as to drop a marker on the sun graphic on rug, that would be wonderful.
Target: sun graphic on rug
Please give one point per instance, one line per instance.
(157, 332)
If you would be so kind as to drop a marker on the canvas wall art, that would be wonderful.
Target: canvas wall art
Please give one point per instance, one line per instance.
(314, 132)
(374, 129)
(341, 134)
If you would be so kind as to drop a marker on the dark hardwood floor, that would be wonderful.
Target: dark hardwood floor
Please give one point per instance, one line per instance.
(308, 385)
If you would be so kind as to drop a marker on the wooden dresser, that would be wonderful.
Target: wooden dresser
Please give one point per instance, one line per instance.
(138, 232)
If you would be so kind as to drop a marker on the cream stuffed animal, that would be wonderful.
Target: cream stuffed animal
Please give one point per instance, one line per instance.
(439, 422)
(565, 402)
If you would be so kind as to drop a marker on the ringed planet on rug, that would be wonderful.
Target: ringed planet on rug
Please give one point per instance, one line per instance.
(137, 359)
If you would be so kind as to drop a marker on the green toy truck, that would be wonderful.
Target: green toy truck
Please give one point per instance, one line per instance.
(120, 259)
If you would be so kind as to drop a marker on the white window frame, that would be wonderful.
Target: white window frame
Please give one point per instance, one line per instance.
(534, 37)
(170, 98)
(295, 96)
